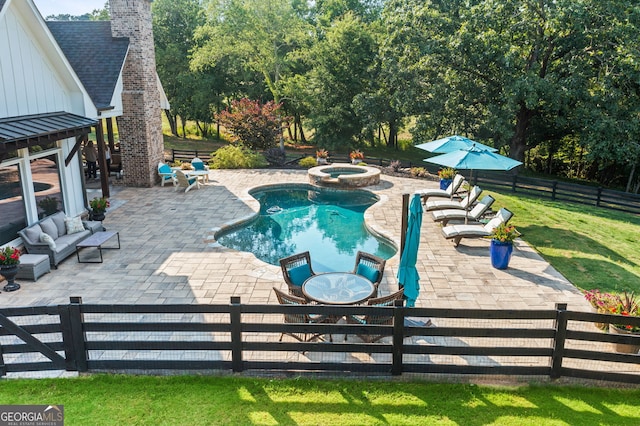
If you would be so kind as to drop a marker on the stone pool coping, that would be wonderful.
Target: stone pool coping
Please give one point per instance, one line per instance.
(318, 176)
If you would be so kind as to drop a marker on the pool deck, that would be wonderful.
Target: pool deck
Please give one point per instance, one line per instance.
(169, 255)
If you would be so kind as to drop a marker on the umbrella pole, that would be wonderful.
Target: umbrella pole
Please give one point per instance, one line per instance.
(404, 221)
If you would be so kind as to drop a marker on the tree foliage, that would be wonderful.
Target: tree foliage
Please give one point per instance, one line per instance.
(255, 125)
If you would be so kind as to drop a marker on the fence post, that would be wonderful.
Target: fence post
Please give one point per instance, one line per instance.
(554, 187)
(398, 337)
(173, 155)
(560, 337)
(598, 196)
(73, 337)
(514, 183)
(236, 334)
(3, 367)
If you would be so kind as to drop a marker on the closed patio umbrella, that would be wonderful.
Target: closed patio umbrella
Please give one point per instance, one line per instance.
(408, 277)
(451, 144)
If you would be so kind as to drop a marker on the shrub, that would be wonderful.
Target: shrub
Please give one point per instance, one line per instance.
(419, 172)
(275, 156)
(236, 157)
(395, 165)
(253, 124)
(308, 162)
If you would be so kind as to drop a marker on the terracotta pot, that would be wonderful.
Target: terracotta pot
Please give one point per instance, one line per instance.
(624, 347)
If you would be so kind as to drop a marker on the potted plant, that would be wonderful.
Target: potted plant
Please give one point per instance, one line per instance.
(356, 156)
(502, 245)
(98, 208)
(321, 156)
(9, 261)
(626, 304)
(446, 176)
(601, 303)
(49, 205)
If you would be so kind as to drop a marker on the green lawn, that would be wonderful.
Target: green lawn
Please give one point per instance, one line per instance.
(592, 247)
(196, 400)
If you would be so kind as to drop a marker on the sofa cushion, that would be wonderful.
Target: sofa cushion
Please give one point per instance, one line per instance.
(58, 219)
(46, 238)
(74, 225)
(72, 239)
(33, 233)
(48, 227)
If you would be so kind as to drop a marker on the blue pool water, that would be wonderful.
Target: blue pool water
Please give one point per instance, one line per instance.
(327, 223)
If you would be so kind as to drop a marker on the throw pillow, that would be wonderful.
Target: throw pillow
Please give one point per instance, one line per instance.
(48, 227)
(74, 224)
(46, 238)
(33, 233)
(299, 274)
(58, 219)
(368, 272)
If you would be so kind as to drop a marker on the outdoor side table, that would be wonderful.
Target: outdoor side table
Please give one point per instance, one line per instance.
(97, 240)
(33, 266)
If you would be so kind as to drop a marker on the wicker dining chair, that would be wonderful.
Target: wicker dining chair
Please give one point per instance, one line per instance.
(371, 267)
(295, 271)
(288, 299)
(388, 300)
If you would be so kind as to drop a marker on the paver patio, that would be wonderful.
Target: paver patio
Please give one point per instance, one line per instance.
(169, 255)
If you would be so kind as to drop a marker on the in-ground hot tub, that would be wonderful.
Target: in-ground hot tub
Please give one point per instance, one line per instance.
(344, 175)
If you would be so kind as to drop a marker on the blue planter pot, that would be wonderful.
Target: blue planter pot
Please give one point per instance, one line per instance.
(444, 183)
(500, 254)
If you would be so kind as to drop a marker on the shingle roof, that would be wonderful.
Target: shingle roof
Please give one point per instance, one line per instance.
(94, 54)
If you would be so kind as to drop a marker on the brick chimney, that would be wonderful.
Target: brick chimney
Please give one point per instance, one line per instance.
(140, 127)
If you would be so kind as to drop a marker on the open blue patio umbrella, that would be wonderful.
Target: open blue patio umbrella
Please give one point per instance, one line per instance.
(451, 144)
(408, 277)
(474, 158)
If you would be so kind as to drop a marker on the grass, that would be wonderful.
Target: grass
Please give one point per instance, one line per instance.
(197, 400)
(592, 247)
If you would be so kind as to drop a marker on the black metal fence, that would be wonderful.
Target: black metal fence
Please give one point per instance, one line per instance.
(236, 337)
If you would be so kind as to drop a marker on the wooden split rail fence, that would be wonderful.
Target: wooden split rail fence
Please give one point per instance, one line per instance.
(236, 337)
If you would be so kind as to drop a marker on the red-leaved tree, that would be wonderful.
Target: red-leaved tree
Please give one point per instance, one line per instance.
(255, 125)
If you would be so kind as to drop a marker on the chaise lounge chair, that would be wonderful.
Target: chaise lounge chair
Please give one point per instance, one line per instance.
(458, 232)
(465, 204)
(474, 214)
(451, 190)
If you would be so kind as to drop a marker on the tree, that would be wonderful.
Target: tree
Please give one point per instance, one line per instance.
(252, 124)
(505, 70)
(340, 70)
(174, 24)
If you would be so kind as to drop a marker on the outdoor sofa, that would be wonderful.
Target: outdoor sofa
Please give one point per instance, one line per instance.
(57, 236)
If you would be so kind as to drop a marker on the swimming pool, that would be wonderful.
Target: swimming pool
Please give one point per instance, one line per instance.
(294, 218)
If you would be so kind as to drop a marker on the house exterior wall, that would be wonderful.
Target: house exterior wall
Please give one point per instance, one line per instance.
(140, 126)
(36, 78)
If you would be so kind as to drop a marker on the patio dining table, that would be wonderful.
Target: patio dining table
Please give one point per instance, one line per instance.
(338, 288)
